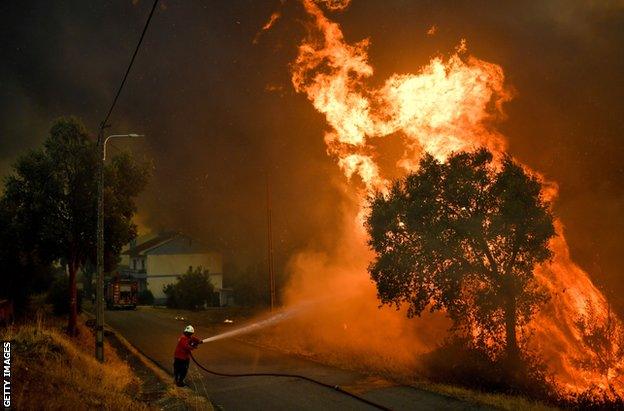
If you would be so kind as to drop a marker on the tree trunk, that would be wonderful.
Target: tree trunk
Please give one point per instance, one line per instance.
(512, 350)
(73, 301)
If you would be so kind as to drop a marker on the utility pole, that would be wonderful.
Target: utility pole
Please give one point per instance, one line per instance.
(99, 294)
(99, 313)
(270, 243)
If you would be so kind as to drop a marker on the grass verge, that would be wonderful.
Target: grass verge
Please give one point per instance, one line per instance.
(52, 371)
(496, 400)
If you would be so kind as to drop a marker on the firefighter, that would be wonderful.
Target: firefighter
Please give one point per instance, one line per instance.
(182, 355)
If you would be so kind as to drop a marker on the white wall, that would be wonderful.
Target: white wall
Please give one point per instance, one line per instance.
(217, 281)
(156, 284)
(172, 265)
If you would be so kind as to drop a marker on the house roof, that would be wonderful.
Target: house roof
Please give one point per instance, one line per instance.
(150, 243)
(167, 243)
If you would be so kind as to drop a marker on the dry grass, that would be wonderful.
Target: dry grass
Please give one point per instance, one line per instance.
(498, 401)
(190, 399)
(53, 372)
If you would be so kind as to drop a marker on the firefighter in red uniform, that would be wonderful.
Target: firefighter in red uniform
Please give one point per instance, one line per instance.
(182, 355)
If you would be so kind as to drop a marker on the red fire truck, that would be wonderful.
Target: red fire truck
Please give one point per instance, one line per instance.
(121, 293)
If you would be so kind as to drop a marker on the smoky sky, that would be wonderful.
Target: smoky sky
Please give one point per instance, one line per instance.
(220, 115)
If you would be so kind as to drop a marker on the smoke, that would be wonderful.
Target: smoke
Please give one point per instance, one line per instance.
(449, 105)
(202, 93)
(198, 91)
(348, 328)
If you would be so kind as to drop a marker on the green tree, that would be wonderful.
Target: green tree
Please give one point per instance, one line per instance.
(192, 290)
(50, 202)
(464, 236)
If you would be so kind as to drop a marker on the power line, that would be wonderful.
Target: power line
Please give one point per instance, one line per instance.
(123, 81)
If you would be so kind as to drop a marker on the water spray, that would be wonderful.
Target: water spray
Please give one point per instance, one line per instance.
(274, 319)
(251, 327)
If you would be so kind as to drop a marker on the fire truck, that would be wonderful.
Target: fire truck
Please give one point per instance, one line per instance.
(121, 293)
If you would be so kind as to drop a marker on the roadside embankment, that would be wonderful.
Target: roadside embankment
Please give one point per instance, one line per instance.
(50, 370)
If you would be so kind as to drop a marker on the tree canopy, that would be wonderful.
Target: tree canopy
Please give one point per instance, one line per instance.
(192, 290)
(463, 236)
(49, 205)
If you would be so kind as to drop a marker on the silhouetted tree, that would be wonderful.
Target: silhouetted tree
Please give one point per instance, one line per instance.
(22, 272)
(463, 236)
(50, 206)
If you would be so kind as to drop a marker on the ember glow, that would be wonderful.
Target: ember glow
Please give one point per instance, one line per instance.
(450, 104)
(267, 26)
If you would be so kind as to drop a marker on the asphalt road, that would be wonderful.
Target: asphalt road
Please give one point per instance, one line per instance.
(156, 334)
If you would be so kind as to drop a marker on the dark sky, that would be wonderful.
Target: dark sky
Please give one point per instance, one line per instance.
(219, 110)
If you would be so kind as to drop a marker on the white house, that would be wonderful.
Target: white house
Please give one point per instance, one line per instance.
(158, 260)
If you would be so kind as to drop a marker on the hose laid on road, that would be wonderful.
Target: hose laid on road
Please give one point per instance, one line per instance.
(301, 377)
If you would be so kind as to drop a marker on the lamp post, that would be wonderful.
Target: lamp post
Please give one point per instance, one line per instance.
(99, 298)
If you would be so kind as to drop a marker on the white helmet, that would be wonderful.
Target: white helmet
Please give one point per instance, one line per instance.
(189, 329)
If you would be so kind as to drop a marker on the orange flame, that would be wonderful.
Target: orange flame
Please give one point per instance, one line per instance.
(267, 26)
(450, 104)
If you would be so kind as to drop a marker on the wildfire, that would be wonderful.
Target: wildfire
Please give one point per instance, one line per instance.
(450, 104)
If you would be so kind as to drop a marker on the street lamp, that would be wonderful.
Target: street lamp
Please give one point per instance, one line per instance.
(99, 299)
(131, 135)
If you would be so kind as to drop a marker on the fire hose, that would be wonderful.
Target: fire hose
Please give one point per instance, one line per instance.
(301, 377)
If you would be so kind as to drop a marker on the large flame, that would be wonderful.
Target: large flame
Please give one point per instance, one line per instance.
(450, 104)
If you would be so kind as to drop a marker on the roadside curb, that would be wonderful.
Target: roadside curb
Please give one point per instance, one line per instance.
(153, 366)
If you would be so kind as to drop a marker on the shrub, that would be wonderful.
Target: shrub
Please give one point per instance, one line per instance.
(596, 398)
(192, 290)
(458, 362)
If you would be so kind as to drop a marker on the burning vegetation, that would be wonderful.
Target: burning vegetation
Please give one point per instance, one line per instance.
(535, 305)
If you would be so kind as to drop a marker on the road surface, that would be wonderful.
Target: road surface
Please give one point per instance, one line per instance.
(156, 334)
